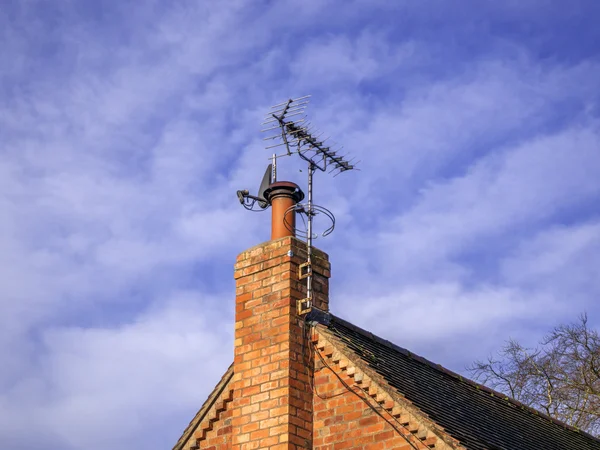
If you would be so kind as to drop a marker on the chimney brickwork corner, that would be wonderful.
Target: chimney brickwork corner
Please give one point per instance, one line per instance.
(272, 402)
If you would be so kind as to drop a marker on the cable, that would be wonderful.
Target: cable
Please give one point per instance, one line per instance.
(306, 332)
(368, 403)
(301, 209)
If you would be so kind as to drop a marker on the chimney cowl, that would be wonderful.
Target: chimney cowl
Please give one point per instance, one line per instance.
(286, 188)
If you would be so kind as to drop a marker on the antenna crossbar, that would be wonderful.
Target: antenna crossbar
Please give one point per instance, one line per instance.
(300, 139)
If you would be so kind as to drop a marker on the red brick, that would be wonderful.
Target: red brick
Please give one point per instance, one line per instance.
(347, 421)
(271, 376)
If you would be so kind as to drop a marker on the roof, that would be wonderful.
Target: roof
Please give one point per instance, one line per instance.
(478, 417)
(210, 401)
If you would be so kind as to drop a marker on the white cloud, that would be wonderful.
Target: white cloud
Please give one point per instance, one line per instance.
(448, 322)
(562, 259)
(98, 387)
(123, 145)
(502, 192)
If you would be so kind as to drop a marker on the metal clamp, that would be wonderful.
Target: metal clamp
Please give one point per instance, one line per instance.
(303, 306)
(304, 270)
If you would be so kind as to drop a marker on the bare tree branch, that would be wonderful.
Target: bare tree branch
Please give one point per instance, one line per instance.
(560, 377)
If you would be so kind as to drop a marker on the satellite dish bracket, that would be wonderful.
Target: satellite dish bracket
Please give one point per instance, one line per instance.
(248, 201)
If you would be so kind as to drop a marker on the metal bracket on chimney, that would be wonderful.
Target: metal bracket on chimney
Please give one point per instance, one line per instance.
(304, 270)
(301, 308)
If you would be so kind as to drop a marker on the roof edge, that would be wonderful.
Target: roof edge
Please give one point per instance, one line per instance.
(205, 408)
(402, 406)
(459, 377)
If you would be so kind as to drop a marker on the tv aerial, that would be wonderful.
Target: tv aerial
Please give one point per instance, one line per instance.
(289, 130)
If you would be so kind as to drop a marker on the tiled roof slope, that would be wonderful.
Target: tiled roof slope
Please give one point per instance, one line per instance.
(479, 418)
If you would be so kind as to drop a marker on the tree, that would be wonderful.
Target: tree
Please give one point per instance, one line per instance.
(561, 377)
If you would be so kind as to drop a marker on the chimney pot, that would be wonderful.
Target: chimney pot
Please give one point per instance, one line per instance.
(283, 195)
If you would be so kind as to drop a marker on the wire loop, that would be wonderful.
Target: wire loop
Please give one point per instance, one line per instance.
(302, 208)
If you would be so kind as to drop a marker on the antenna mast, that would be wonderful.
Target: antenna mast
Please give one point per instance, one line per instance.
(297, 137)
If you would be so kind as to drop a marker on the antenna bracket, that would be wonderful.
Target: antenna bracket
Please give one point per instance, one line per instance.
(304, 270)
(303, 306)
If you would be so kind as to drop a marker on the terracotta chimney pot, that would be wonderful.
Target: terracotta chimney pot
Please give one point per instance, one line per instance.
(283, 195)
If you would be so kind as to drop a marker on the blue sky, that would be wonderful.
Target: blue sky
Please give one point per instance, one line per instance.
(126, 128)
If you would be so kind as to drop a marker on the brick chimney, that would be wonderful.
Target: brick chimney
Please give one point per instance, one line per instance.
(272, 404)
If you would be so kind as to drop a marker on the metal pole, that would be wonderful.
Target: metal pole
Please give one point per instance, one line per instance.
(311, 170)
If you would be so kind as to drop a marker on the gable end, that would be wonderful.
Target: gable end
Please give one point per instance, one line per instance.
(209, 414)
(414, 426)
